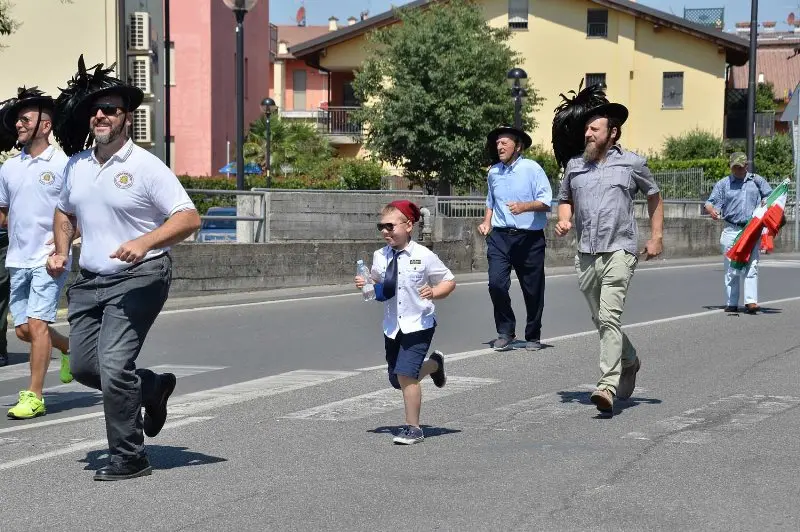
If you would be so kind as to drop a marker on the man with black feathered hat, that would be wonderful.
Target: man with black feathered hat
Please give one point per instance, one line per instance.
(599, 184)
(120, 194)
(517, 203)
(30, 184)
(8, 140)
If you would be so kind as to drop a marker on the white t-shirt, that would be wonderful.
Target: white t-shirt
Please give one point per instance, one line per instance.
(416, 267)
(130, 195)
(30, 188)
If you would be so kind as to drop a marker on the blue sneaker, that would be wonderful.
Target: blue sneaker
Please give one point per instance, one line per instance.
(409, 435)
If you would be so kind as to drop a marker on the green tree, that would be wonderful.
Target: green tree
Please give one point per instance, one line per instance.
(295, 146)
(434, 86)
(765, 97)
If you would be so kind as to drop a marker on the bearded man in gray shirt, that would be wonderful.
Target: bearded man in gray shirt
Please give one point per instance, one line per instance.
(598, 187)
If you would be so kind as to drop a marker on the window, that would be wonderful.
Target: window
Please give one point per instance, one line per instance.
(518, 14)
(349, 97)
(596, 79)
(246, 79)
(172, 64)
(140, 73)
(142, 130)
(299, 88)
(672, 95)
(597, 23)
(139, 31)
(273, 40)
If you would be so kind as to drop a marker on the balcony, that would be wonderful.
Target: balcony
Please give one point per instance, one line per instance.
(339, 125)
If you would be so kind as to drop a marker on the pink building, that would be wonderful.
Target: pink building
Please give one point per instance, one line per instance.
(203, 92)
(297, 87)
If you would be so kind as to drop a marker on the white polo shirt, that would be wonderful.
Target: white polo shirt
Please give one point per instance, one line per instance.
(30, 188)
(416, 267)
(130, 195)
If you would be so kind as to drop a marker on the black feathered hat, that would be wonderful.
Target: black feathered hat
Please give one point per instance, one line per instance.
(9, 111)
(505, 129)
(571, 117)
(72, 105)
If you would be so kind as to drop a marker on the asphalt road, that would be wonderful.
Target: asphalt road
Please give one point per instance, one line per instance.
(282, 419)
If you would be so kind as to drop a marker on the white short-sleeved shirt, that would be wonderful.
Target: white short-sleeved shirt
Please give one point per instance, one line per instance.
(416, 267)
(132, 194)
(30, 189)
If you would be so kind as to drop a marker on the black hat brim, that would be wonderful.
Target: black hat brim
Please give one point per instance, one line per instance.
(608, 110)
(132, 96)
(491, 140)
(10, 115)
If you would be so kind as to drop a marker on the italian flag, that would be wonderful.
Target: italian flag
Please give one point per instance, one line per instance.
(766, 217)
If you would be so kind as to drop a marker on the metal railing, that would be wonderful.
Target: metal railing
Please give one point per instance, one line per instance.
(688, 184)
(339, 121)
(262, 217)
(597, 29)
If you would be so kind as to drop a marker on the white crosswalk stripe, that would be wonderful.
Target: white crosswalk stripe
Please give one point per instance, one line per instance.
(385, 400)
(704, 424)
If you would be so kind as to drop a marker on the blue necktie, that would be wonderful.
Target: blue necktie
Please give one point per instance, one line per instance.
(390, 280)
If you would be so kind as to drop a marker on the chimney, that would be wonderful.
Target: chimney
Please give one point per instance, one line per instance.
(351, 20)
(769, 27)
(742, 27)
(364, 15)
(283, 48)
(332, 24)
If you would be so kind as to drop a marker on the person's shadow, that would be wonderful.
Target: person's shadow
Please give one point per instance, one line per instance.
(160, 456)
(430, 432)
(620, 405)
(742, 310)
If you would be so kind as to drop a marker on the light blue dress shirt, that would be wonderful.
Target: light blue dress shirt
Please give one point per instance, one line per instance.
(524, 180)
(736, 199)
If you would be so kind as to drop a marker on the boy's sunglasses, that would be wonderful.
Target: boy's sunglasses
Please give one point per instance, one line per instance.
(389, 227)
(108, 109)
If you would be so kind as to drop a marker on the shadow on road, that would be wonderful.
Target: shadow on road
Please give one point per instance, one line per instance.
(61, 401)
(161, 457)
(20, 358)
(741, 310)
(620, 405)
(430, 432)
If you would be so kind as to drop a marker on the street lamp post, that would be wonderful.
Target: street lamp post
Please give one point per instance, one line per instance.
(240, 9)
(268, 107)
(517, 79)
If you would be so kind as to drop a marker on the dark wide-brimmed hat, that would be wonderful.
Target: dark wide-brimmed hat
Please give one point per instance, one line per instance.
(8, 137)
(32, 97)
(505, 129)
(73, 104)
(573, 113)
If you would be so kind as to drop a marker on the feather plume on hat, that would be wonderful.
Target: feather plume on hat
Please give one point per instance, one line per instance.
(71, 127)
(9, 110)
(568, 124)
(8, 138)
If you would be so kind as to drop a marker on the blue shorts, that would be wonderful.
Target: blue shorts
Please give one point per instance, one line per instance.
(406, 352)
(34, 294)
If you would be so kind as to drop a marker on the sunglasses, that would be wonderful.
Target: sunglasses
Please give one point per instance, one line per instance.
(389, 226)
(108, 109)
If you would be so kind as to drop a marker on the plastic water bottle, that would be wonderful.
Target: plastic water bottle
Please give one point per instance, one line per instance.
(368, 290)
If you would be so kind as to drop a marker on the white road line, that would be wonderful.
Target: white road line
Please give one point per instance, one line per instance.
(384, 400)
(202, 401)
(488, 351)
(355, 294)
(729, 414)
(85, 445)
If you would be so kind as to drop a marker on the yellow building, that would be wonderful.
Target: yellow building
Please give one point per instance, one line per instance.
(669, 72)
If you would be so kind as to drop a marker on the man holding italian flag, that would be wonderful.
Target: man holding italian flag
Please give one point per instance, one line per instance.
(747, 204)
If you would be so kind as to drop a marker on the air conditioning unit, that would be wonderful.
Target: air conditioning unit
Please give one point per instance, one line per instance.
(143, 125)
(139, 72)
(139, 31)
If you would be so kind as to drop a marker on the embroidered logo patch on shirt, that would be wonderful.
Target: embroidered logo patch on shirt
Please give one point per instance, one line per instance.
(123, 180)
(415, 261)
(47, 178)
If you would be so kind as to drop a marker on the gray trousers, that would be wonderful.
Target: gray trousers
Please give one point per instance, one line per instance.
(109, 318)
(5, 288)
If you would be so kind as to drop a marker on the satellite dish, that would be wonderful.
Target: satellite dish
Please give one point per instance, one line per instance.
(790, 19)
(301, 16)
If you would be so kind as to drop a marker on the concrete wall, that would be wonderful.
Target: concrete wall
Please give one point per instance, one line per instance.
(240, 267)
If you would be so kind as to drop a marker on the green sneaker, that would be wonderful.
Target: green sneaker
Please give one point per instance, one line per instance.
(66, 375)
(29, 406)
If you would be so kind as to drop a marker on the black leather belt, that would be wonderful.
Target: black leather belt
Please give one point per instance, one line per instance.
(515, 231)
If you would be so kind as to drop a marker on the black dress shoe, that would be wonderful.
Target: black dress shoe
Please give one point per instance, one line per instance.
(731, 309)
(124, 470)
(155, 417)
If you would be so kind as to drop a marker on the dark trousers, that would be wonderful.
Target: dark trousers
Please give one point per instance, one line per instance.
(109, 318)
(5, 288)
(523, 251)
